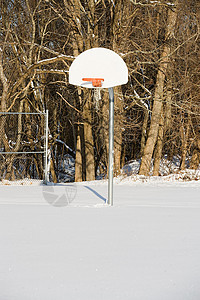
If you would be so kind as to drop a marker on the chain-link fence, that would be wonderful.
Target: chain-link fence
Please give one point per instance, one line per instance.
(23, 146)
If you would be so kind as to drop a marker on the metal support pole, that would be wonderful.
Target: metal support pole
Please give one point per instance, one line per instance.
(111, 146)
(46, 147)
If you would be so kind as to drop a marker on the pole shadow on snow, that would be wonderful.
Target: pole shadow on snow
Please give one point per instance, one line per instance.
(96, 193)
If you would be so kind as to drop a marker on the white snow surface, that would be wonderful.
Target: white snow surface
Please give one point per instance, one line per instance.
(145, 247)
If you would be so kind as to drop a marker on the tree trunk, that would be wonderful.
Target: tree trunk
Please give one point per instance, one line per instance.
(78, 45)
(144, 131)
(168, 106)
(184, 138)
(89, 143)
(118, 127)
(195, 160)
(104, 128)
(3, 97)
(78, 161)
(52, 170)
(158, 98)
(116, 18)
(158, 151)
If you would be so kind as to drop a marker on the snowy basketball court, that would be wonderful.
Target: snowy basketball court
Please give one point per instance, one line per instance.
(145, 247)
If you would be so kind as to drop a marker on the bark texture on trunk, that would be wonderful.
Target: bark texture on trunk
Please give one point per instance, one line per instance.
(195, 160)
(184, 133)
(78, 160)
(159, 145)
(89, 142)
(118, 127)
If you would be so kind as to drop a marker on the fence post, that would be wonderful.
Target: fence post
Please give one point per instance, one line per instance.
(46, 147)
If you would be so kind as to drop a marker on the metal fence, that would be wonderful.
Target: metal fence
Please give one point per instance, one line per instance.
(23, 146)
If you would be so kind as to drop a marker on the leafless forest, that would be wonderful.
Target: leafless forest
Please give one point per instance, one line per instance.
(157, 113)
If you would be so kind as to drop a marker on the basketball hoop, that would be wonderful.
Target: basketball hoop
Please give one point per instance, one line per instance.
(101, 68)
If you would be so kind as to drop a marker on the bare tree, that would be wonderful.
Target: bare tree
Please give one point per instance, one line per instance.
(158, 97)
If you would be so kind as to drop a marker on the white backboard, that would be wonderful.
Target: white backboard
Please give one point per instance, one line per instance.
(98, 63)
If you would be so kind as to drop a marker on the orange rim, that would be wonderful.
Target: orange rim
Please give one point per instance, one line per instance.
(96, 82)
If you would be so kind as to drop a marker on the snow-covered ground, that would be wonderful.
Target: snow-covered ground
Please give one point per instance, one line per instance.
(145, 247)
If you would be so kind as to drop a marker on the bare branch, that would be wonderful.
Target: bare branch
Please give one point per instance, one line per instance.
(68, 103)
